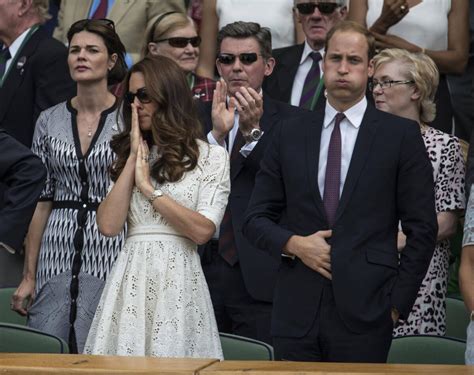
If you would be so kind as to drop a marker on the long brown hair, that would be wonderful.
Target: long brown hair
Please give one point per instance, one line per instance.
(175, 126)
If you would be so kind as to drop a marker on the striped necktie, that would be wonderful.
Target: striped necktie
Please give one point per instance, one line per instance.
(311, 82)
(101, 11)
(332, 181)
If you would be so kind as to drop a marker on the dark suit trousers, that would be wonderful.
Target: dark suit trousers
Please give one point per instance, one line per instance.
(236, 311)
(330, 341)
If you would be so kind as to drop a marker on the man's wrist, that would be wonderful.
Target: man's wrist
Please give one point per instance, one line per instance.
(291, 247)
(253, 135)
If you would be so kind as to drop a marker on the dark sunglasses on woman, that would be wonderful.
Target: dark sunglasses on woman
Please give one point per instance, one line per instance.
(245, 58)
(181, 42)
(141, 95)
(324, 8)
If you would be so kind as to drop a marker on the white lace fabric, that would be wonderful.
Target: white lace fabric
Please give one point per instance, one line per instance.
(156, 301)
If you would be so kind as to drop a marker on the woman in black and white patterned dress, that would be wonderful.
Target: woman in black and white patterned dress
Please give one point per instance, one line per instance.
(67, 259)
(405, 84)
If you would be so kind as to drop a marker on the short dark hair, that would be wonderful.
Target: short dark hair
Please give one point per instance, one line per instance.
(241, 30)
(351, 26)
(106, 30)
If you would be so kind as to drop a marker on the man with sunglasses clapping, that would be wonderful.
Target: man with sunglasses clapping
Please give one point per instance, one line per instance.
(241, 118)
(297, 77)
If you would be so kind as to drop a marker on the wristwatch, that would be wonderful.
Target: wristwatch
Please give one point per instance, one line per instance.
(254, 135)
(156, 194)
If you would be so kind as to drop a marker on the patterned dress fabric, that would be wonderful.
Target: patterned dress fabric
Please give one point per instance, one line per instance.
(156, 301)
(74, 258)
(428, 316)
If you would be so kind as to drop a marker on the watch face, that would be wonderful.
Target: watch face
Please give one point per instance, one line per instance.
(255, 134)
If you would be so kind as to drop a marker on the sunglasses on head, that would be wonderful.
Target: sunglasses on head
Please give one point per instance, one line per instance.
(180, 42)
(141, 95)
(245, 58)
(324, 8)
(81, 24)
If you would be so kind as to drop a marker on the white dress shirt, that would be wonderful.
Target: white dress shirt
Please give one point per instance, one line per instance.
(246, 148)
(305, 65)
(349, 130)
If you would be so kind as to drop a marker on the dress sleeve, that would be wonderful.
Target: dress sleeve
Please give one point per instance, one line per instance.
(215, 185)
(41, 147)
(449, 184)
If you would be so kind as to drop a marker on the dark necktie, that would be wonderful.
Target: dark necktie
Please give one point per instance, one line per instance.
(4, 57)
(311, 82)
(101, 11)
(332, 180)
(227, 248)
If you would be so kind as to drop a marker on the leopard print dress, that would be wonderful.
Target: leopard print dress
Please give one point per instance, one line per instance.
(428, 316)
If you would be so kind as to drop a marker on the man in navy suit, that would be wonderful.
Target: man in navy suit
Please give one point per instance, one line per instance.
(294, 63)
(345, 178)
(241, 118)
(35, 75)
(23, 175)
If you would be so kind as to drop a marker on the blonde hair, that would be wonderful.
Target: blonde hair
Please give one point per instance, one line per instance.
(419, 68)
(163, 25)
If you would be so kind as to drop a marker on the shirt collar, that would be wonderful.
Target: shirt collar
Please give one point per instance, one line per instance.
(15, 46)
(307, 50)
(354, 115)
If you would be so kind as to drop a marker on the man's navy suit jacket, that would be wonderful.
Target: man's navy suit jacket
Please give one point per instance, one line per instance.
(390, 178)
(38, 79)
(23, 174)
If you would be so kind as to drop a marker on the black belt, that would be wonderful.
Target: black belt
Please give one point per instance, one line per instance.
(76, 205)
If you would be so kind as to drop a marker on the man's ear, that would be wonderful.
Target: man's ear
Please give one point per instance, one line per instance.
(269, 65)
(343, 12)
(25, 6)
(371, 68)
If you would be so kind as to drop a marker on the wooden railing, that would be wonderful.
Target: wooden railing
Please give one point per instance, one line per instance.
(68, 364)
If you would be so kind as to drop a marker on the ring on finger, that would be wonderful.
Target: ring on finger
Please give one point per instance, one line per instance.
(402, 8)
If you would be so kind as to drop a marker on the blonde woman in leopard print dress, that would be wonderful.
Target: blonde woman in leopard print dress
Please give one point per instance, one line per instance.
(405, 84)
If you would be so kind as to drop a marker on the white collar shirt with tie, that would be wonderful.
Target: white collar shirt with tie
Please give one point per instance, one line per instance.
(14, 48)
(305, 65)
(349, 130)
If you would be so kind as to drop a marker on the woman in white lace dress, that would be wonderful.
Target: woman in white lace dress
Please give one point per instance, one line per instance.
(156, 301)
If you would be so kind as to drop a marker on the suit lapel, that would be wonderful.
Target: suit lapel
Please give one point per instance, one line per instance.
(119, 10)
(16, 75)
(313, 142)
(360, 154)
(289, 66)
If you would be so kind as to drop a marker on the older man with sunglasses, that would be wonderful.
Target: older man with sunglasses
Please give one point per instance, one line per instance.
(297, 77)
(241, 118)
